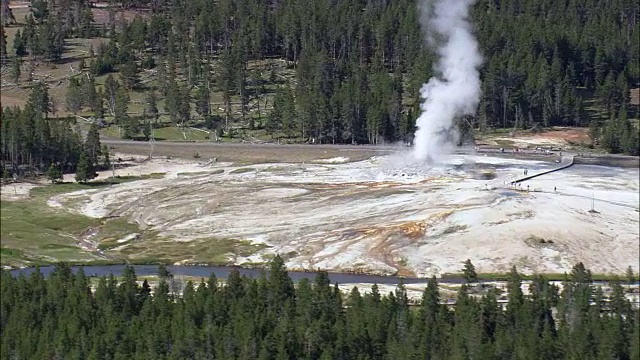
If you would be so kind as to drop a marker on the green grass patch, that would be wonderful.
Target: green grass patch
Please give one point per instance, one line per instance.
(4, 251)
(57, 247)
(179, 134)
(242, 170)
(67, 187)
(213, 251)
(113, 230)
(39, 233)
(129, 178)
(164, 133)
(112, 131)
(11, 256)
(33, 232)
(42, 192)
(273, 169)
(199, 173)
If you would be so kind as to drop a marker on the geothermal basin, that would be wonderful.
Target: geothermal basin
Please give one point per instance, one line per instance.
(383, 215)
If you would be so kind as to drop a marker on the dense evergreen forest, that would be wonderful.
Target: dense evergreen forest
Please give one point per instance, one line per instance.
(357, 67)
(64, 316)
(30, 142)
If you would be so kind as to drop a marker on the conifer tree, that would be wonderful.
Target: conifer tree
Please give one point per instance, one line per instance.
(98, 103)
(19, 45)
(74, 96)
(203, 99)
(111, 87)
(90, 96)
(129, 74)
(84, 170)
(3, 44)
(92, 144)
(54, 174)
(469, 272)
(121, 105)
(15, 69)
(106, 162)
(39, 99)
(51, 39)
(151, 105)
(172, 101)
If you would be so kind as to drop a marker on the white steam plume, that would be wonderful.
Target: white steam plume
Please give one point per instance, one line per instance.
(455, 89)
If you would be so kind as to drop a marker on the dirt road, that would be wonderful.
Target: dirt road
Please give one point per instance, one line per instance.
(266, 152)
(298, 153)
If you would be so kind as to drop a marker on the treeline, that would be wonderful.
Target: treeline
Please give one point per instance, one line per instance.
(359, 64)
(65, 316)
(31, 143)
(545, 59)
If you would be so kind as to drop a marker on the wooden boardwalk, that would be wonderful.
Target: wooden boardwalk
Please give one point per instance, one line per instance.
(565, 162)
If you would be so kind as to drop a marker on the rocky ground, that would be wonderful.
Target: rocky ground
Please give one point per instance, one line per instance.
(380, 215)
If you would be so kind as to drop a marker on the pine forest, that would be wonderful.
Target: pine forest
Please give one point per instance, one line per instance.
(71, 316)
(316, 71)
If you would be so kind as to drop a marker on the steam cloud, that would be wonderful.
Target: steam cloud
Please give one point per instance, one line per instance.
(455, 89)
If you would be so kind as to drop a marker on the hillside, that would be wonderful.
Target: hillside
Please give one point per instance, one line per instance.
(283, 71)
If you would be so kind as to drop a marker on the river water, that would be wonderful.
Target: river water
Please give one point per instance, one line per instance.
(223, 271)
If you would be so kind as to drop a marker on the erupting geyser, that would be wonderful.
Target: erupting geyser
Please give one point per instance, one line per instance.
(454, 91)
